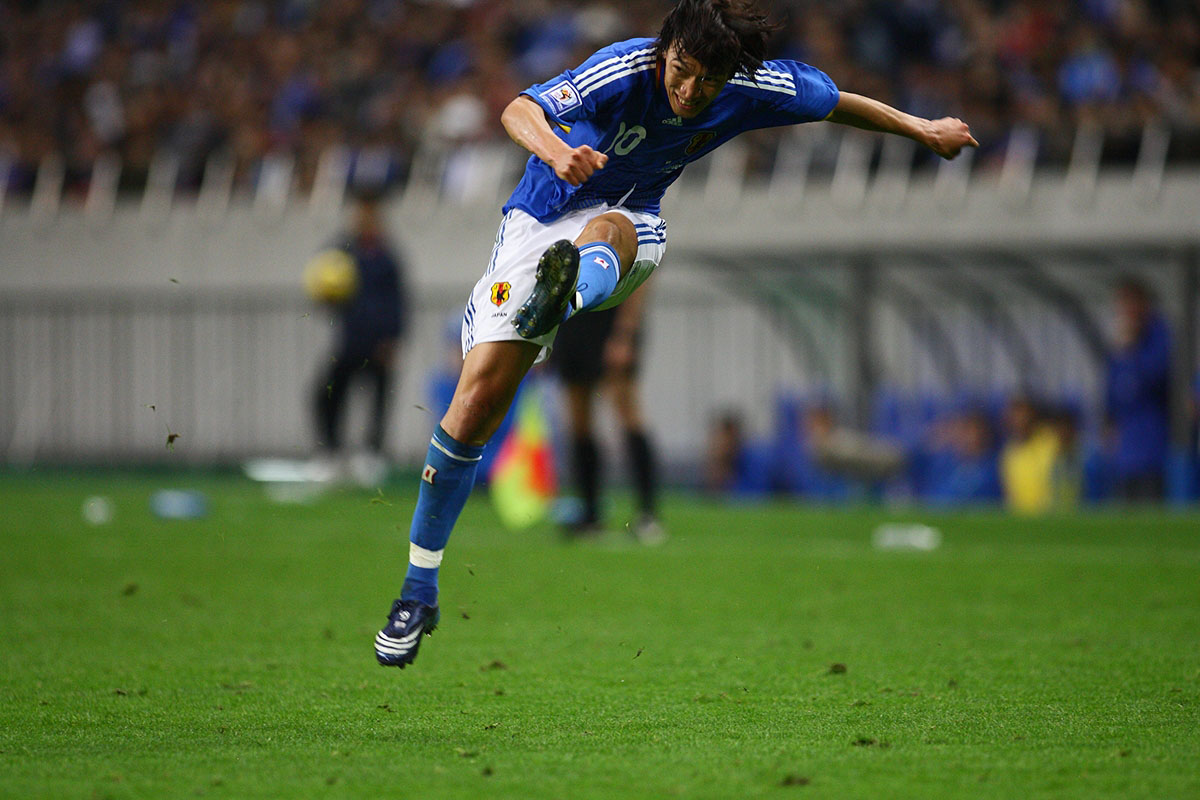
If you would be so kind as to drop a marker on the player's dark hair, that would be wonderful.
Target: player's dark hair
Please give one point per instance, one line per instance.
(725, 36)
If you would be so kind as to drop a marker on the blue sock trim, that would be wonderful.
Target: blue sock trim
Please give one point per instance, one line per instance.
(446, 483)
(599, 270)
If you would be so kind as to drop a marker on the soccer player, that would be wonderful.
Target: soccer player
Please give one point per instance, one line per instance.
(601, 349)
(371, 324)
(581, 231)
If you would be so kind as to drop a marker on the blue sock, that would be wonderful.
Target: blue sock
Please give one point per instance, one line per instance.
(599, 269)
(446, 484)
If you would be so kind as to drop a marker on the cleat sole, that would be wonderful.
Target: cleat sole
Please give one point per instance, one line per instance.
(556, 276)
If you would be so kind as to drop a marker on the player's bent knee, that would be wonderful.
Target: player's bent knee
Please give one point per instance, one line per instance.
(616, 230)
(600, 230)
(477, 411)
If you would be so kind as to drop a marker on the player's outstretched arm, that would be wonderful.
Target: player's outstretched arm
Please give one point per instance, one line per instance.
(946, 137)
(526, 124)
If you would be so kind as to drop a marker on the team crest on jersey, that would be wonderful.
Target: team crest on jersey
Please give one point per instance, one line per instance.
(699, 140)
(562, 96)
(500, 292)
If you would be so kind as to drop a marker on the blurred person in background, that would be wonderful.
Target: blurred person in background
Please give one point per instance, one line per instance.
(1028, 458)
(971, 473)
(371, 319)
(724, 454)
(1137, 398)
(735, 465)
(273, 78)
(1067, 474)
(1194, 437)
(804, 430)
(602, 351)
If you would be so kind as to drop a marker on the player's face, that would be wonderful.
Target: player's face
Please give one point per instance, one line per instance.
(690, 87)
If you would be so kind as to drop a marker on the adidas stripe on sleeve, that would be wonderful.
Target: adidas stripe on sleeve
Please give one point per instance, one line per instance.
(789, 92)
(605, 77)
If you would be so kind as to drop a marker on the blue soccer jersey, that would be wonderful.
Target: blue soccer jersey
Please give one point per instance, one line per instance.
(615, 102)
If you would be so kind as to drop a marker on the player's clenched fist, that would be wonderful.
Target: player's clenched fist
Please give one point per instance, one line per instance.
(948, 136)
(578, 163)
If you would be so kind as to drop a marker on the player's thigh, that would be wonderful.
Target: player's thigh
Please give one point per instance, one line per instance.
(491, 373)
(617, 230)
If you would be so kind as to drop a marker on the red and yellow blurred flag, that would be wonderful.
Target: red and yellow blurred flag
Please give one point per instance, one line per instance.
(523, 483)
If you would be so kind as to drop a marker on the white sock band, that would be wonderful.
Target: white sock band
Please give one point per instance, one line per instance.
(420, 557)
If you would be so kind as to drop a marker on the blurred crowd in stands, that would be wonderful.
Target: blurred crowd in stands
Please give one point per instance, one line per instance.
(1032, 453)
(253, 78)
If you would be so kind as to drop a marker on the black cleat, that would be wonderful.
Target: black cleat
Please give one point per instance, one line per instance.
(396, 645)
(557, 273)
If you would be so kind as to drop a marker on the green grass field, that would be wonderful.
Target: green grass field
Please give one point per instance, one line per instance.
(231, 656)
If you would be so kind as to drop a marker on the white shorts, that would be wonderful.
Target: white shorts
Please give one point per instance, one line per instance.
(509, 279)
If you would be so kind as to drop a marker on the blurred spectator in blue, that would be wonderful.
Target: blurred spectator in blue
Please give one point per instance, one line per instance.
(1194, 438)
(295, 77)
(1137, 394)
(971, 472)
(371, 322)
(1089, 74)
(802, 429)
(733, 465)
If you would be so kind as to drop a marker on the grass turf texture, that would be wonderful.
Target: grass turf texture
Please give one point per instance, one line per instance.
(231, 656)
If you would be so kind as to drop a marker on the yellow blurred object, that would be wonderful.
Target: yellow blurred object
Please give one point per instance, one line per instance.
(331, 277)
(1027, 472)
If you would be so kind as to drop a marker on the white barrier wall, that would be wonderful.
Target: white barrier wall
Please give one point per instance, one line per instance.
(200, 314)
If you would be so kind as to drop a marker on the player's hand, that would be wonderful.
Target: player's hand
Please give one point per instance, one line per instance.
(578, 163)
(948, 136)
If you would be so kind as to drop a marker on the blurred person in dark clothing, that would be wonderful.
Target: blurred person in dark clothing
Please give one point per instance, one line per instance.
(1138, 394)
(601, 350)
(371, 322)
